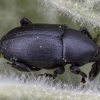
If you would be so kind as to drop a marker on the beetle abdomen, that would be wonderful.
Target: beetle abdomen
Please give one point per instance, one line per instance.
(39, 45)
(38, 50)
(77, 47)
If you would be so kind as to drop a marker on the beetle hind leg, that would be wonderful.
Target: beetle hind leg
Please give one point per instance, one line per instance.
(23, 67)
(76, 70)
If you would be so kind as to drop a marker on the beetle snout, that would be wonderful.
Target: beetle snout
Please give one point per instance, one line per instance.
(94, 71)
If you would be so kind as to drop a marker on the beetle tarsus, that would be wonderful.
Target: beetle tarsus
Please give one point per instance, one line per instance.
(12, 64)
(83, 74)
(83, 81)
(46, 75)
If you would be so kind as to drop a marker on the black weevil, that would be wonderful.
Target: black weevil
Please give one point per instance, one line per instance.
(50, 46)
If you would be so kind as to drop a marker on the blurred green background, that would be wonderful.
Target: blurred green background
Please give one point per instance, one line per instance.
(11, 11)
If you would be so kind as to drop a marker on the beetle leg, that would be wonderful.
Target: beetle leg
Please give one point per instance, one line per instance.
(86, 32)
(96, 39)
(23, 67)
(94, 70)
(25, 21)
(58, 70)
(76, 70)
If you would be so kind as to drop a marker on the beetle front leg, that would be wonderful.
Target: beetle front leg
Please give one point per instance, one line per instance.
(76, 70)
(86, 32)
(58, 70)
(94, 70)
(23, 67)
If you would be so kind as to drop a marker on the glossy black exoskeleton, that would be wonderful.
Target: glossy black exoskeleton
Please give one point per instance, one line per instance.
(50, 46)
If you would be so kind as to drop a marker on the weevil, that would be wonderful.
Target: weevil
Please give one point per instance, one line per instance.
(50, 46)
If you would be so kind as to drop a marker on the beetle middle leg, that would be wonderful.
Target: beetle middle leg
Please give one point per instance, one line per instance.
(76, 70)
(23, 67)
(86, 32)
(58, 70)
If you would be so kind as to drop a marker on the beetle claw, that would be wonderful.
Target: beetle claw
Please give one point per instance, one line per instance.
(83, 81)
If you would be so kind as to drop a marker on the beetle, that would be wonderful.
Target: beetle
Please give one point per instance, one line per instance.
(50, 46)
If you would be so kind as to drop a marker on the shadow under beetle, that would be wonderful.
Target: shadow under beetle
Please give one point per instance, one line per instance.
(50, 46)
